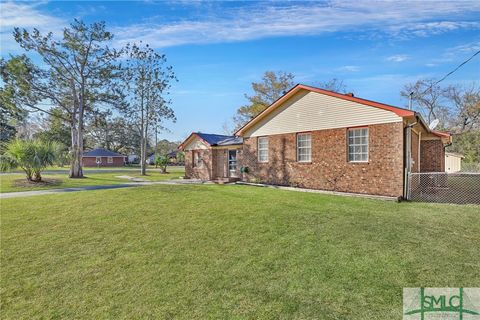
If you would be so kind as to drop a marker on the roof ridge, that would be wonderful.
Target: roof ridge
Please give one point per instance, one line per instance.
(214, 134)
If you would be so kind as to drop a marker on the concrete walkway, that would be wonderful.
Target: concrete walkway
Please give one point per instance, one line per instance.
(336, 193)
(106, 187)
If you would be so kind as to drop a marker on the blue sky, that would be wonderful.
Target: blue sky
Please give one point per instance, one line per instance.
(218, 48)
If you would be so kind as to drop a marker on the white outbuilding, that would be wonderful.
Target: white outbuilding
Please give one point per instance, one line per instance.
(453, 162)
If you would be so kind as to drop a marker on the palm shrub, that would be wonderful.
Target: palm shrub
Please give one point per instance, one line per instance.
(32, 156)
(162, 162)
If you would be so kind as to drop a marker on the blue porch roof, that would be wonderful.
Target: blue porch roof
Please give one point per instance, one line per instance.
(219, 140)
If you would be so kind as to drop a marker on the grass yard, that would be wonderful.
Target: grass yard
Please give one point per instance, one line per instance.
(14, 182)
(197, 252)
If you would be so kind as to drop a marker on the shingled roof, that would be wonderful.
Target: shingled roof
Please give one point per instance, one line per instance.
(214, 140)
(100, 152)
(219, 139)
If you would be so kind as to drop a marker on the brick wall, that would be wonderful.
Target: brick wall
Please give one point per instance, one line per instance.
(220, 163)
(215, 164)
(203, 172)
(92, 162)
(329, 169)
(432, 156)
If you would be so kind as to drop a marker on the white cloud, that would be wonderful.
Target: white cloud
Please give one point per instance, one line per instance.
(349, 68)
(27, 16)
(425, 29)
(396, 19)
(214, 23)
(464, 48)
(398, 58)
(89, 9)
(453, 53)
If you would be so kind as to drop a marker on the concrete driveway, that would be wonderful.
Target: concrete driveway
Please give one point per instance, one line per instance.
(106, 187)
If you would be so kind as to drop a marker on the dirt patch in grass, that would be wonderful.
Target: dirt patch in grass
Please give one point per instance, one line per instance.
(24, 183)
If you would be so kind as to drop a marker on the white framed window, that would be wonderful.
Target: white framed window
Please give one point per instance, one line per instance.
(110, 160)
(98, 159)
(262, 149)
(358, 145)
(304, 147)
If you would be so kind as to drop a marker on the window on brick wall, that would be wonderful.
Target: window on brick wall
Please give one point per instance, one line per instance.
(304, 147)
(262, 149)
(358, 145)
(197, 159)
(109, 160)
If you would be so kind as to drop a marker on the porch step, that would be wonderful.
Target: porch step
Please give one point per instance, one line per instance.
(225, 180)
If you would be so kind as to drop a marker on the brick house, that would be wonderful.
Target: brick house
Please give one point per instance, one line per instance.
(102, 158)
(319, 139)
(212, 156)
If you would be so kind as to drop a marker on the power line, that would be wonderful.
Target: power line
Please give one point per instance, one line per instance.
(451, 72)
(461, 64)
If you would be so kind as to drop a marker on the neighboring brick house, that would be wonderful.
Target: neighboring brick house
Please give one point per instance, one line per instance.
(102, 158)
(319, 139)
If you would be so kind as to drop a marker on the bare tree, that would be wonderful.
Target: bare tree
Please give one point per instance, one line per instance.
(429, 97)
(227, 128)
(465, 107)
(458, 109)
(146, 80)
(336, 85)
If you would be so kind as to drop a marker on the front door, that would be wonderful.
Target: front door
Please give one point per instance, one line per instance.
(232, 163)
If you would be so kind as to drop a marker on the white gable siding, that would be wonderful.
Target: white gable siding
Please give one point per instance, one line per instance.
(196, 144)
(308, 111)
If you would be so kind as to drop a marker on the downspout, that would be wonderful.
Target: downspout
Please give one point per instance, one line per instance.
(408, 158)
(444, 151)
(419, 151)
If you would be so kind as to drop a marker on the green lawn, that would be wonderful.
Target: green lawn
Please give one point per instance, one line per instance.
(198, 252)
(8, 181)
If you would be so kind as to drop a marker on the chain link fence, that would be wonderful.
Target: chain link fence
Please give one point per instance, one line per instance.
(441, 187)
